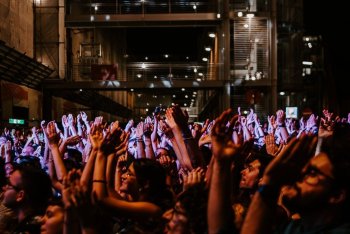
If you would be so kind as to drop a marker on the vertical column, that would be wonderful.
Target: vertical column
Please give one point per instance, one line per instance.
(224, 53)
(273, 46)
(61, 37)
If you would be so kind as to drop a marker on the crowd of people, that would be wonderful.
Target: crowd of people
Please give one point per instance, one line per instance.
(232, 174)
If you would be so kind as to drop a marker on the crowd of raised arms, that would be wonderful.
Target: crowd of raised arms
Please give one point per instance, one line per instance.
(232, 174)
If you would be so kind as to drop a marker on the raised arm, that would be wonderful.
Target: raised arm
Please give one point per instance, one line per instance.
(284, 169)
(52, 138)
(220, 213)
(181, 119)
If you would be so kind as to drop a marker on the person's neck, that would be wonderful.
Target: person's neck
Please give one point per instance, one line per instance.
(317, 219)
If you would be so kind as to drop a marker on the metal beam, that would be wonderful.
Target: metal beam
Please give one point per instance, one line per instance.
(127, 85)
(128, 20)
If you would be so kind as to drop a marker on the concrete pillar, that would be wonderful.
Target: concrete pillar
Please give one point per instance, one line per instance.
(61, 39)
(273, 57)
(224, 53)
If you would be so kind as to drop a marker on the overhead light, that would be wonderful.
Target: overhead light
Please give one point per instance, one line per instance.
(240, 14)
(194, 7)
(282, 93)
(80, 90)
(250, 15)
(183, 89)
(218, 15)
(207, 49)
(166, 55)
(307, 63)
(204, 59)
(195, 70)
(92, 18)
(132, 90)
(96, 7)
(212, 35)
(146, 58)
(139, 75)
(246, 25)
(200, 74)
(108, 17)
(143, 65)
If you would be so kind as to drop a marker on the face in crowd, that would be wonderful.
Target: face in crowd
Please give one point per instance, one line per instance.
(250, 175)
(314, 188)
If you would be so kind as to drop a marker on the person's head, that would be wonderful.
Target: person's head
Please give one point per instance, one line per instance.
(145, 180)
(29, 188)
(324, 182)
(52, 221)
(27, 151)
(254, 167)
(161, 151)
(189, 214)
(28, 161)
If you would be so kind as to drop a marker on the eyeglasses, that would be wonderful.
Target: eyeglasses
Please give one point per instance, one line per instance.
(313, 176)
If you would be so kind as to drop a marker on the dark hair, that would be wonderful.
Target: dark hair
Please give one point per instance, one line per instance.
(152, 176)
(29, 161)
(194, 201)
(37, 187)
(337, 148)
(262, 157)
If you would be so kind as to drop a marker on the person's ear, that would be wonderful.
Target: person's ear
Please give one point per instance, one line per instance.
(20, 196)
(338, 197)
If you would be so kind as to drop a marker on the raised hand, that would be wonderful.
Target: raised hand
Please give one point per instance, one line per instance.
(271, 146)
(192, 178)
(169, 118)
(96, 137)
(65, 121)
(129, 125)
(72, 140)
(84, 116)
(223, 147)
(98, 120)
(205, 126)
(70, 120)
(286, 167)
(180, 117)
(166, 129)
(280, 117)
(51, 134)
(139, 130)
(112, 139)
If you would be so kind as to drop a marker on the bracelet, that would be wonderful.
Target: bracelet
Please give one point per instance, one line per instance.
(99, 181)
